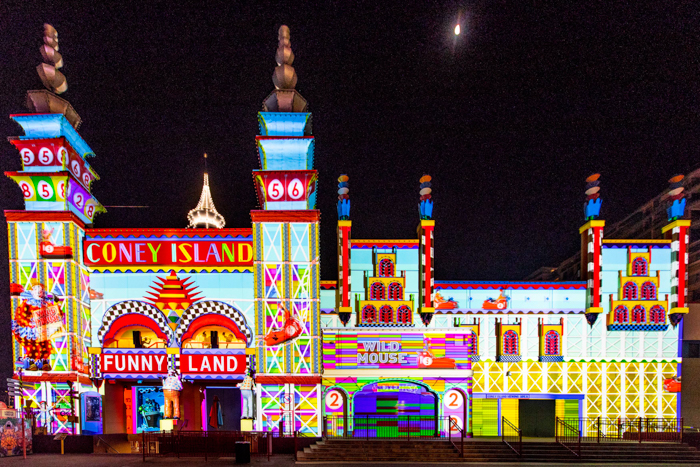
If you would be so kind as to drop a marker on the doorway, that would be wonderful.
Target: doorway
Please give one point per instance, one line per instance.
(223, 409)
(537, 417)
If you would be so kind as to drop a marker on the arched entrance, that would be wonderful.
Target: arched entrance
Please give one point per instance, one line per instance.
(395, 408)
(335, 409)
(454, 404)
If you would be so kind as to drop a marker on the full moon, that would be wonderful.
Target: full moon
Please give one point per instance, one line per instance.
(457, 30)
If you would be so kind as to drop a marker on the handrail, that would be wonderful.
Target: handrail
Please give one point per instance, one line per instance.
(570, 435)
(642, 429)
(515, 438)
(453, 424)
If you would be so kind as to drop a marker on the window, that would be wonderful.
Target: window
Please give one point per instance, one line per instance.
(639, 314)
(648, 291)
(377, 291)
(629, 291)
(621, 314)
(475, 342)
(369, 314)
(386, 268)
(403, 315)
(551, 343)
(510, 343)
(639, 267)
(657, 315)
(395, 291)
(386, 314)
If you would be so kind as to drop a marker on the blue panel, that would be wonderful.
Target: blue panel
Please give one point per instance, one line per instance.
(45, 206)
(286, 154)
(283, 123)
(614, 259)
(52, 126)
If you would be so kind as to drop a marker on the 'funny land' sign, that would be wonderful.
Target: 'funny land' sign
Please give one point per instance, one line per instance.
(197, 252)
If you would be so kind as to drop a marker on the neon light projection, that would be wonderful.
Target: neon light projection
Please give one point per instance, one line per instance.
(630, 291)
(386, 268)
(551, 343)
(621, 314)
(395, 291)
(377, 292)
(369, 314)
(640, 267)
(510, 343)
(403, 315)
(648, 291)
(657, 315)
(639, 314)
(386, 314)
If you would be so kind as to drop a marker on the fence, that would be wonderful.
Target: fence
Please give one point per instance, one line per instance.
(568, 436)
(512, 436)
(207, 444)
(459, 432)
(638, 430)
(389, 426)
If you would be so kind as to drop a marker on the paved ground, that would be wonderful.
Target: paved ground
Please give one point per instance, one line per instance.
(126, 460)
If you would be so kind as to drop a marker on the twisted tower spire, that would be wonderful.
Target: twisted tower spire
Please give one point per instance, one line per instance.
(53, 79)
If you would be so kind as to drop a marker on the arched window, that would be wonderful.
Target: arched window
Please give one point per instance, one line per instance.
(510, 343)
(369, 314)
(377, 291)
(639, 267)
(648, 291)
(629, 291)
(395, 291)
(657, 315)
(621, 314)
(386, 268)
(386, 314)
(639, 314)
(403, 315)
(551, 343)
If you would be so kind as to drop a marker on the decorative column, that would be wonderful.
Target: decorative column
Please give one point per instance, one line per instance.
(591, 248)
(425, 234)
(677, 232)
(344, 226)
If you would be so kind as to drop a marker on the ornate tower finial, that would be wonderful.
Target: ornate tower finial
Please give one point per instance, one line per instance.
(591, 208)
(53, 79)
(343, 198)
(426, 204)
(284, 76)
(205, 214)
(677, 198)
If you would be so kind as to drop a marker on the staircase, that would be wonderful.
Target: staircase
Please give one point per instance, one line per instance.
(407, 451)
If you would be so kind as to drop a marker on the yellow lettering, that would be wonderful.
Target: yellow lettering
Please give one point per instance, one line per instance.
(154, 253)
(245, 252)
(187, 258)
(105, 253)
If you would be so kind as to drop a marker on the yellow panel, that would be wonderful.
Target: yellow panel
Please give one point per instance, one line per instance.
(510, 410)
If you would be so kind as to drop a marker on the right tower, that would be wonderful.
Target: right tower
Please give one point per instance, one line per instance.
(286, 257)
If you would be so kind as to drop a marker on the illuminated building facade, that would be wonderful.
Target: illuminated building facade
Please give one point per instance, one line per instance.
(112, 312)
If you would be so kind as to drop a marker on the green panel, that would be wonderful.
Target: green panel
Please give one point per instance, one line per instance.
(485, 413)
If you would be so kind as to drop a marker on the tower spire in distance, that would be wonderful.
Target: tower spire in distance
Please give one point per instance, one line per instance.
(205, 214)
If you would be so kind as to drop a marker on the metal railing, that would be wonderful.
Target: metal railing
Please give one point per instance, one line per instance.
(386, 426)
(568, 436)
(512, 436)
(454, 427)
(636, 430)
(207, 444)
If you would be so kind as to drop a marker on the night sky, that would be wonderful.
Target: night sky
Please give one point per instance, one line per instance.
(509, 117)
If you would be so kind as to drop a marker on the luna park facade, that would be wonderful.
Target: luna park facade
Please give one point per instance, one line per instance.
(237, 322)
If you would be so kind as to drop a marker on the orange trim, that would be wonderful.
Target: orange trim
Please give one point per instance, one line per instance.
(311, 215)
(43, 216)
(56, 378)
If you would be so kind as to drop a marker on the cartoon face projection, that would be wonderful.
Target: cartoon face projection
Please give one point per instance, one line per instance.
(37, 320)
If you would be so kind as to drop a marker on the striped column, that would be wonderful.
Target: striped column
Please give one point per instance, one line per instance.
(592, 263)
(677, 232)
(344, 279)
(427, 282)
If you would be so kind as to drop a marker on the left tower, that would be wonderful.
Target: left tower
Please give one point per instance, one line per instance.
(50, 285)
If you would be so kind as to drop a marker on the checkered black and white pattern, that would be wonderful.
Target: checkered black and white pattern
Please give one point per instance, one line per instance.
(551, 358)
(220, 308)
(509, 358)
(133, 306)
